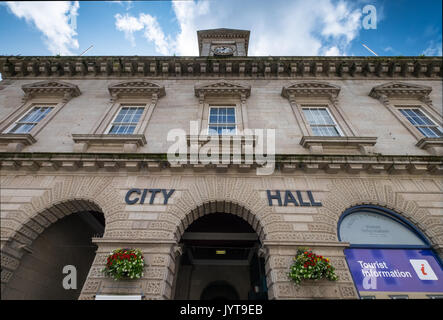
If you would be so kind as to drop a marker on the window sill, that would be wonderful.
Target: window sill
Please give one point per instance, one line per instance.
(128, 142)
(16, 141)
(204, 139)
(432, 145)
(321, 144)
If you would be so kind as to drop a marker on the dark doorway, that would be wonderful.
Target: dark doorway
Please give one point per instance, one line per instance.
(220, 260)
(219, 290)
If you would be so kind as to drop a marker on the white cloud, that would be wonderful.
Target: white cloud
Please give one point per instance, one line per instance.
(434, 48)
(277, 27)
(128, 25)
(332, 51)
(152, 30)
(53, 20)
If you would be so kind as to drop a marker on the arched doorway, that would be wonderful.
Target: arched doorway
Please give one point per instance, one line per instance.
(220, 260)
(388, 256)
(66, 242)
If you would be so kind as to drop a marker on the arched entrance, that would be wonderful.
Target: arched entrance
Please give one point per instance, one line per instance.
(220, 260)
(66, 242)
(389, 257)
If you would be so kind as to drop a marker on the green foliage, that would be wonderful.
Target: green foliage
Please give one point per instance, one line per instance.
(308, 265)
(125, 264)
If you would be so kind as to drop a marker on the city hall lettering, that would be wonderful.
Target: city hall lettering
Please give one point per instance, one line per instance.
(135, 195)
(289, 198)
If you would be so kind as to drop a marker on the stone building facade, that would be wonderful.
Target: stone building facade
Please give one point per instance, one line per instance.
(65, 161)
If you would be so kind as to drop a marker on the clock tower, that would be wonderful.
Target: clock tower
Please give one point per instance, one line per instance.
(223, 42)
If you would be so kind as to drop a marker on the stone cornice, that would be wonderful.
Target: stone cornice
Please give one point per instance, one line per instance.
(138, 139)
(311, 88)
(136, 88)
(51, 87)
(277, 67)
(400, 90)
(222, 88)
(285, 163)
(317, 143)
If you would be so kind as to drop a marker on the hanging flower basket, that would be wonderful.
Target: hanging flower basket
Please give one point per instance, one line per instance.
(308, 265)
(125, 264)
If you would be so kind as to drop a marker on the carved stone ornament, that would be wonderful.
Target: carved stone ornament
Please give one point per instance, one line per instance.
(400, 90)
(311, 88)
(52, 88)
(136, 88)
(222, 88)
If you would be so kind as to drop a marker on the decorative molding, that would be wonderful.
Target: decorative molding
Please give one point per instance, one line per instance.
(236, 67)
(222, 88)
(316, 144)
(223, 33)
(157, 162)
(397, 89)
(311, 89)
(346, 193)
(433, 145)
(17, 141)
(129, 142)
(136, 88)
(50, 87)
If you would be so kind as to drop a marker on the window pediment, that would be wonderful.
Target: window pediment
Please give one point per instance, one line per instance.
(400, 90)
(222, 88)
(311, 88)
(136, 88)
(51, 88)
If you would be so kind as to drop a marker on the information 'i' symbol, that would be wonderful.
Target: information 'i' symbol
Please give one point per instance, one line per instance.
(423, 270)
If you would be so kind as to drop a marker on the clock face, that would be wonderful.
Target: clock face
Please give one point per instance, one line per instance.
(223, 51)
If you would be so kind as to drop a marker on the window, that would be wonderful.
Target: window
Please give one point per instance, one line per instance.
(30, 119)
(423, 123)
(126, 120)
(321, 122)
(222, 121)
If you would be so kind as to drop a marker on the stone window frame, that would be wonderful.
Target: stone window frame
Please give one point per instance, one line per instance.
(396, 95)
(222, 93)
(127, 93)
(51, 93)
(306, 94)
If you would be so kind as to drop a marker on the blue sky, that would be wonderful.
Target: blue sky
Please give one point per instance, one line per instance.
(321, 27)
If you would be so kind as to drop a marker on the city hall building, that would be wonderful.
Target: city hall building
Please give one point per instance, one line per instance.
(355, 174)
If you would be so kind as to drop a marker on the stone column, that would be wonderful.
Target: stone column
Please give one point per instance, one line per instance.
(159, 271)
(280, 286)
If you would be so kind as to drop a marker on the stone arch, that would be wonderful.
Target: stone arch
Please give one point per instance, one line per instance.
(347, 193)
(72, 194)
(218, 194)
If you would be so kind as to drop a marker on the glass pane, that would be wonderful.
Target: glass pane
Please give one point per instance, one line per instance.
(212, 119)
(231, 111)
(365, 227)
(212, 130)
(121, 114)
(230, 119)
(23, 128)
(114, 130)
